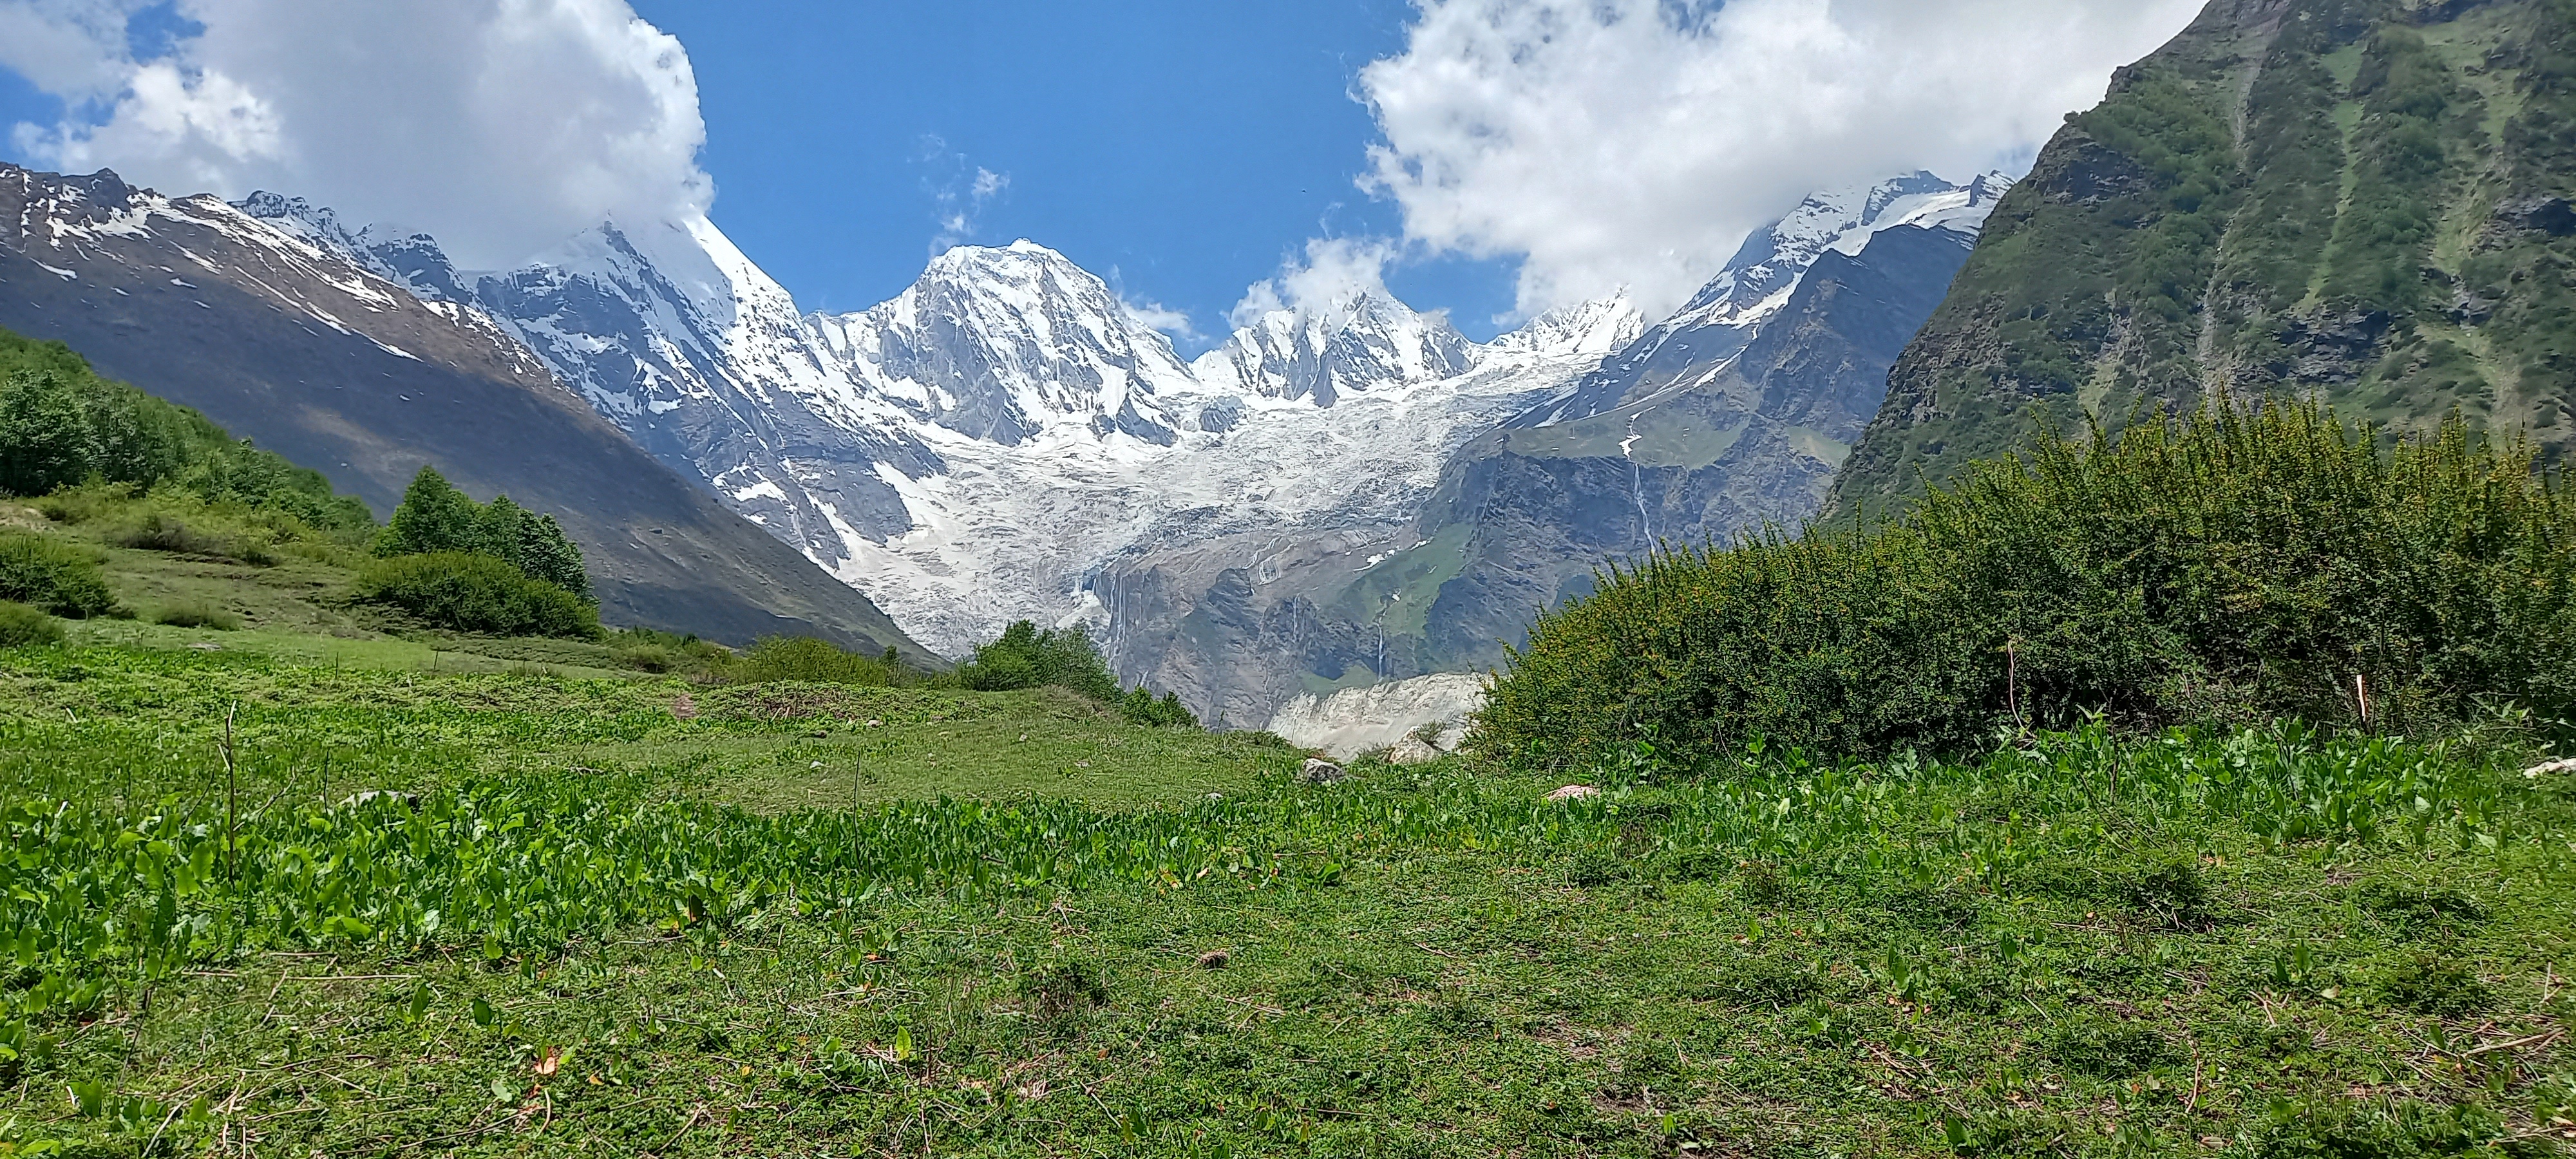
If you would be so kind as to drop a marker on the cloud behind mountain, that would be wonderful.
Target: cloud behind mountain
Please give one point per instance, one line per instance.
(1635, 142)
(502, 126)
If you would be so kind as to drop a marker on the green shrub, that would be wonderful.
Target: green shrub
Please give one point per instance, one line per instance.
(476, 593)
(650, 650)
(55, 576)
(198, 615)
(804, 658)
(1140, 707)
(1027, 657)
(25, 627)
(2239, 564)
(435, 517)
(160, 532)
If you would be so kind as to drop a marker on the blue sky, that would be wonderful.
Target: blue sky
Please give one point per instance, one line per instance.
(1516, 154)
(1181, 146)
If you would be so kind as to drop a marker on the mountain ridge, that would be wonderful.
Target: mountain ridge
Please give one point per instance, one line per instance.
(337, 368)
(2358, 201)
(1003, 440)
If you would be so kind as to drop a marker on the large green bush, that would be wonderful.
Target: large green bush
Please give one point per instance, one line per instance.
(435, 517)
(1141, 707)
(25, 627)
(62, 425)
(1029, 657)
(2237, 564)
(476, 593)
(48, 573)
(776, 658)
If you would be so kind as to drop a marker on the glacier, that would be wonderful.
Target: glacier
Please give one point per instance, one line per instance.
(978, 449)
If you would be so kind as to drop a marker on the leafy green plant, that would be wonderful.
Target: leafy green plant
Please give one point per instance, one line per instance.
(1140, 706)
(162, 532)
(1029, 657)
(2235, 565)
(25, 627)
(476, 593)
(54, 575)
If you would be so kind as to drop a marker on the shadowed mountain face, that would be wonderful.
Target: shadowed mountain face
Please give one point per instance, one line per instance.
(2359, 200)
(293, 347)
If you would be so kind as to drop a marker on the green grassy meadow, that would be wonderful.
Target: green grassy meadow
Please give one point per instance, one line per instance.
(634, 915)
(285, 875)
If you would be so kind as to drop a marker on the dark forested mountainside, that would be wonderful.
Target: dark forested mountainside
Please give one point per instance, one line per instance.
(2361, 201)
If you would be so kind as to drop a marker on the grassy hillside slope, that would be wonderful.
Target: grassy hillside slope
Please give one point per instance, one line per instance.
(2363, 200)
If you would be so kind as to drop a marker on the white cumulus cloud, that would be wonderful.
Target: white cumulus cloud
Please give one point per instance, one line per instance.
(1636, 142)
(959, 192)
(501, 126)
(1154, 315)
(1331, 273)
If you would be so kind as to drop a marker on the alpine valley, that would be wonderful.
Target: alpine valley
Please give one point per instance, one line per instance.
(1332, 497)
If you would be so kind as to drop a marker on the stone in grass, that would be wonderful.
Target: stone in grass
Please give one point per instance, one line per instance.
(1413, 750)
(1319, 771)
(2551, 768)
(1574, 793)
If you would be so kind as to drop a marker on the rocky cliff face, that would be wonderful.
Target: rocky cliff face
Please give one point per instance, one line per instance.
(338, 366)
(2358, 200)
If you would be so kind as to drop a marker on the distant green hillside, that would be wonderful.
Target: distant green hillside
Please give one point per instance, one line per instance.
(62, 424)
(2363, 200)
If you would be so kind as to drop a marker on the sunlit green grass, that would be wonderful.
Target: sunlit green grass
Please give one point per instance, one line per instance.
(633, 916)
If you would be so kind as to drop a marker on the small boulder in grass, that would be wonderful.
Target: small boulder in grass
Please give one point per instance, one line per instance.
(1574, 793)
(1413, 750)
(2552, 768)
(1319, 771)
(684, 707)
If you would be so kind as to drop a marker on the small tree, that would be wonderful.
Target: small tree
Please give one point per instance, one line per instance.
(436, 517)
(45, 436)
(546, 553)
(1029, 657)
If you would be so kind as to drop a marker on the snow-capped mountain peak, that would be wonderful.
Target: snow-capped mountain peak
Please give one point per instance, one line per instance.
(1761, 274)
(1600, 327)
(1359, 344)
(1764, 275)
(1004, 344)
